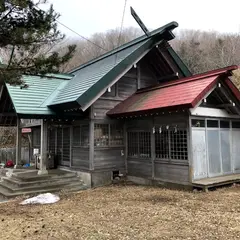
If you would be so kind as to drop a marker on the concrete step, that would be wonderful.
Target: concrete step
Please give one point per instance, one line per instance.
(16, 183)
(31, 178)
(58, 184)
(72, 188)
(8, 194)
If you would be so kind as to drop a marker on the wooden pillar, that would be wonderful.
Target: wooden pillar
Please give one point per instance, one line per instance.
(71, 144)
(138, 76)
(153, 153)
(91, 145)
(43, 150)
(91, 139)
(18, 144)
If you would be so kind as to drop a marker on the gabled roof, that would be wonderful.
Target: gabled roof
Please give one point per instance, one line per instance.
(92, 79)
(178, 94)
(38, 93)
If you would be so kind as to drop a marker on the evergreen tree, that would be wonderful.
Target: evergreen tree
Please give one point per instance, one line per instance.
(28, 35)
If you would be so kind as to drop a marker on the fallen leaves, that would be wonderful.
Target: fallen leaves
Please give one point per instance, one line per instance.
(127, 212)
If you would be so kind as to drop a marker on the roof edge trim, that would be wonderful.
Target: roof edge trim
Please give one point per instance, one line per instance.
(168, 27)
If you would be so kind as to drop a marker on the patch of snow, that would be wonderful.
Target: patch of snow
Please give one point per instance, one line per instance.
(46, 198)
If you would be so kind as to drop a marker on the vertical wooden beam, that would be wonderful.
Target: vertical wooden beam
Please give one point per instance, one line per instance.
(18, 144)
(190, 149)
(56, 136)
(138, 76)
(126, 145)
(71, 143)
(43, 150)
(153, 154)
(91, 140)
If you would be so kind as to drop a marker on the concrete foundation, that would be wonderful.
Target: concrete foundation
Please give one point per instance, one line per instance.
(160, 183)
(86, 177)
(101, 178)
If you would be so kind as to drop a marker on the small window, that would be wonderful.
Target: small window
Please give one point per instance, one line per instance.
(198, 123)
(224, 124)
(235, 124)
(212, 123)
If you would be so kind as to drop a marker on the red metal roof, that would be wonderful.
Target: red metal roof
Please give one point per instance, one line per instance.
(178, 94)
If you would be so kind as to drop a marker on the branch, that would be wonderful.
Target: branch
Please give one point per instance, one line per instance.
(11, 57)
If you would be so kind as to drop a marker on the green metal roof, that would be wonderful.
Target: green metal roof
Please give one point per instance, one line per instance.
(79, 89)
(33, 100)
(93, 78)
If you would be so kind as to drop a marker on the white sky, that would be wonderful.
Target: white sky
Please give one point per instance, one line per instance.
(89, 16)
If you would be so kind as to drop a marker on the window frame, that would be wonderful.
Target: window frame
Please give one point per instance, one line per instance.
(171, 144)
(80, 145)
(109, 138)
(139, 152)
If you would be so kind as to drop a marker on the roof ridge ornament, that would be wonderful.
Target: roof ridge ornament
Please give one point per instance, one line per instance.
(140, 22)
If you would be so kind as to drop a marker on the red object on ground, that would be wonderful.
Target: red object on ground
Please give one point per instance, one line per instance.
(9, 163)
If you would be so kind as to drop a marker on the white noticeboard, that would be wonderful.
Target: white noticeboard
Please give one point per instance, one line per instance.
(35, 151)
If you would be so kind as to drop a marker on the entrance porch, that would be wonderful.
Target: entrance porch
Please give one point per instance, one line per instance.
(28, 182)
(207, 183)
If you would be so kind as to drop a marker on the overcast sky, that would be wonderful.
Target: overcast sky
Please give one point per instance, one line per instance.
(89, 16)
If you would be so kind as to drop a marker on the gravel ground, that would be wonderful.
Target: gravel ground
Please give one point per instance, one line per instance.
(127, 212)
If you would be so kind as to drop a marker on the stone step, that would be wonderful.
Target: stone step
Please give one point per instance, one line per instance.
(8, 194)
(16, 183)
(56, 184)
(31, 178)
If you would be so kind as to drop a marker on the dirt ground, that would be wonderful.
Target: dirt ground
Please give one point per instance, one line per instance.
(127, 212)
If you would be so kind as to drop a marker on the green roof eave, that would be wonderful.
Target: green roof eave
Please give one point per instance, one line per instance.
(186, 72)
(85, 100)
(168, 27)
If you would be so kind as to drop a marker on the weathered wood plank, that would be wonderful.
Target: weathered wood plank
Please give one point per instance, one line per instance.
(110, 158)
(80, 157)
(139, 168)
(172, 172)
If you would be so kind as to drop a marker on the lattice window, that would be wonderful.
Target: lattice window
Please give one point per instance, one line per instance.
(101, 135)
(81, 136)
(76, 136)
(139, 144)
(84, 135)
(144, 144)
(162, 145)
(178, 142)
(116, 135)
(133, 144)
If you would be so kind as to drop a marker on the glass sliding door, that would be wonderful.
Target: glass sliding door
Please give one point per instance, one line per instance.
(225, 141)
(235, 146)
(213, 146)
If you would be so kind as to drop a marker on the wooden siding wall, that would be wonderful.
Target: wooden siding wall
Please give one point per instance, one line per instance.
(125, 87)
(147, 79)
(159, 169)
(80, 158)
(109, 159)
